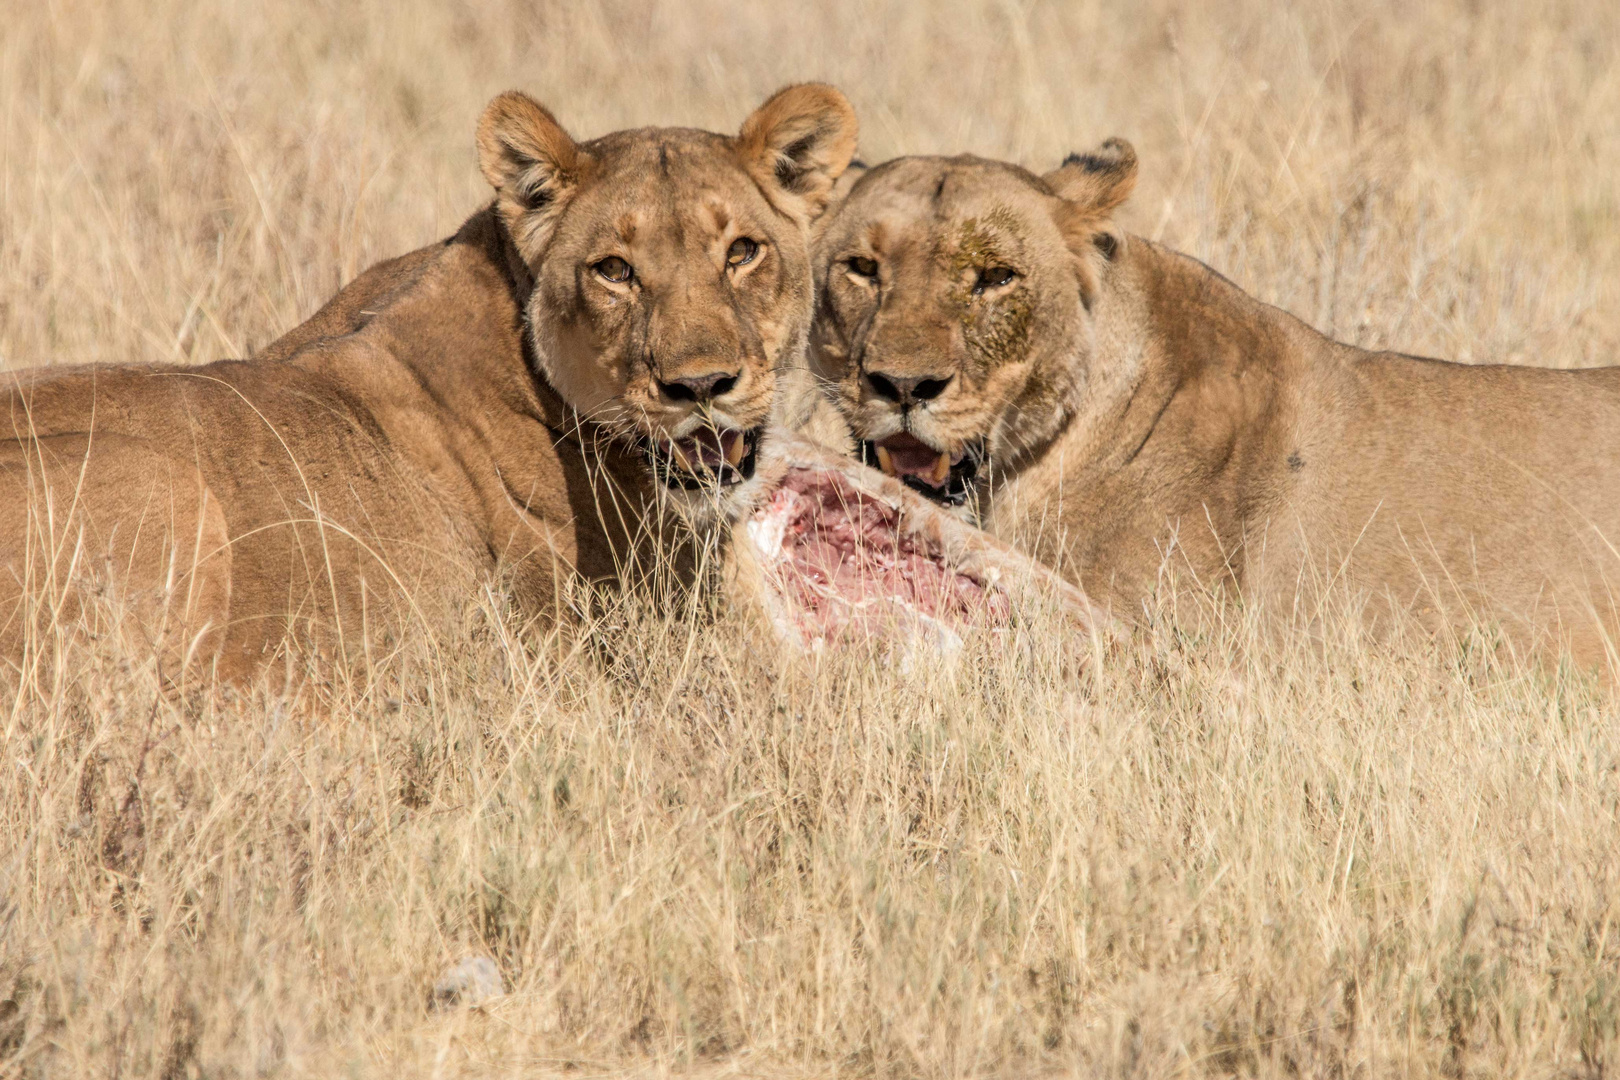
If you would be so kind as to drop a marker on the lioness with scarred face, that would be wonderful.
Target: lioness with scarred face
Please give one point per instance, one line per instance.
(525, 399)
(1123, 411)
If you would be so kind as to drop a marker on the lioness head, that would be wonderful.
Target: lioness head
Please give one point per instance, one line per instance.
(953, 322)
(670, 267)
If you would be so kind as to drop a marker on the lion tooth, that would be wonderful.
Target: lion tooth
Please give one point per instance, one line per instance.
(680, 457)
(735, 449)
(885, 460)
(942, 470)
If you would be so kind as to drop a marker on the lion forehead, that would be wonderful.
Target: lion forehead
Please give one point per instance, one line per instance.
(673, 174)
(953, 210)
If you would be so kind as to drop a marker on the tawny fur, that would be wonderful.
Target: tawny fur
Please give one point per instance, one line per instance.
(472, 410)
(1144, 418)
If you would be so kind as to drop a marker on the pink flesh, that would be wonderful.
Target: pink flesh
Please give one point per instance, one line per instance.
(845, 566)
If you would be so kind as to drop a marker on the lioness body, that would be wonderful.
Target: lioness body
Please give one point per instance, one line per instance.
(377, 459)
(1145, 418)
(1253, 452)
(585, 369)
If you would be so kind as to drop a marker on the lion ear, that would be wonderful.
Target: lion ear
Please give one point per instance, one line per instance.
(531, 163)
(797, 145)
(1096, 182)
(852, 175)
(1092, 186)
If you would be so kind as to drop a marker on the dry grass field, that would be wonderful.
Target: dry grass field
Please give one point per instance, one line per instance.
(1200, 852)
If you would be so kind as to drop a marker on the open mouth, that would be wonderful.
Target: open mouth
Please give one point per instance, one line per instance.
(944, 477)
(707, 457)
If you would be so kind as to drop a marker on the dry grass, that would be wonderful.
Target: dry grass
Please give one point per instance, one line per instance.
(1204, 853)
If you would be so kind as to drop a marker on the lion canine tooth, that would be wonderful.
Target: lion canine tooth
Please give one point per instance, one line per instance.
(734, 451)
(885, 460)
(942, 470)
(680, 457)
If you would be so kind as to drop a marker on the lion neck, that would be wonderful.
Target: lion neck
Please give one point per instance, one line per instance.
(1205, 366)
(1187, 404)
(452, 315)
(490, 248)
(436, 339)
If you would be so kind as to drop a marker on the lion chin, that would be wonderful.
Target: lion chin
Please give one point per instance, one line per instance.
(706, 477)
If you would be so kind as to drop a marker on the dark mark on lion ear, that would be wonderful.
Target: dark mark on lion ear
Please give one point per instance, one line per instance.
(534, 196)
(1106, 244)
(1295, 462)
(857, 163)
(797, 148)
(790, 166)
(1091, 163)
(532, 191)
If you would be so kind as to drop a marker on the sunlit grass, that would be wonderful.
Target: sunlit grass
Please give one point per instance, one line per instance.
(1198, 850)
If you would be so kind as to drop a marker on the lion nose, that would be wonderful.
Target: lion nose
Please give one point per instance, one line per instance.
(699, 388)
(905, 389)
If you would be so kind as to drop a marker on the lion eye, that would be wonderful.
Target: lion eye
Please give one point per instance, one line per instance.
(864, 267)
(614, 269)
(742, 251)
(994, 277)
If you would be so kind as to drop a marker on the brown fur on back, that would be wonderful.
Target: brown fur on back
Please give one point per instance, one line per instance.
(370, 465)
(1153, 419)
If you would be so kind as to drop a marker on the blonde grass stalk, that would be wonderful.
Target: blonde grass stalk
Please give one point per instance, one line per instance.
(1202, 849)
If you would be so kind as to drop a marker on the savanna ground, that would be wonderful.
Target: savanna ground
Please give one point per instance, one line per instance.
(1199, 852)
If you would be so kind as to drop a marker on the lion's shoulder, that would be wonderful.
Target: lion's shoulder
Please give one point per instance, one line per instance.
(355, 304)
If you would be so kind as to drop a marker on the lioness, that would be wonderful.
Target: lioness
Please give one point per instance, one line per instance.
(606, 336)
(999, 344)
